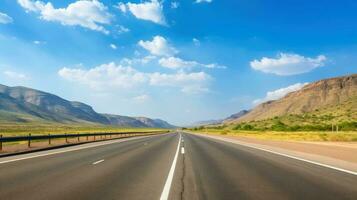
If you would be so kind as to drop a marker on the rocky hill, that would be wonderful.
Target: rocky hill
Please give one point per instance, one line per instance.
(312, 97)
(21, 104)
(137, 121)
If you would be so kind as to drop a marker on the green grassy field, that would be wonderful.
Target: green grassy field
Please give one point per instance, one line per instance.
(344, 136)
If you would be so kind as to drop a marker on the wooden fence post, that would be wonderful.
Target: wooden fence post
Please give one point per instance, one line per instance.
(78, 137)
(0, 143)
(49, 139)
(66, 137)
(29, 141)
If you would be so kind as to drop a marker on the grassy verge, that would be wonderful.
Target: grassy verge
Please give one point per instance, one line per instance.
(41, 129)
(287, 136)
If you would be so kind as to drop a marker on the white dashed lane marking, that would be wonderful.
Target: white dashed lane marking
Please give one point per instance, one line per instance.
(97, 162)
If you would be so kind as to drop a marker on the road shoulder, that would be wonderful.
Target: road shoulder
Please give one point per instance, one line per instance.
(67, 149)
(338, 156)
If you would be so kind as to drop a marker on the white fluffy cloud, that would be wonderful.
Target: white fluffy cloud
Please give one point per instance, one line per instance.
(38, 42)
(149, 10)
(5, 19)
(122, 7)
(178, 63)
(195, 82)
(113, 76)
(122, 29)
(15, 75)
(104, 76)
(113, 46)
(158, 46)
(203, 1)
(196, 42)
(137, 61)
(279, 93)
(180, 78)
(195, 89)
(175, 4)
(288, 64)
(90, 14)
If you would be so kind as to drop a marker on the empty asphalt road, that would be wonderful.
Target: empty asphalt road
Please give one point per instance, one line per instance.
(169, 166)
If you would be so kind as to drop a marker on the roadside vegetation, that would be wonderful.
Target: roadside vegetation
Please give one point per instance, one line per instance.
(342, 117)
(341, 136)
(333, 123)
(18, 129)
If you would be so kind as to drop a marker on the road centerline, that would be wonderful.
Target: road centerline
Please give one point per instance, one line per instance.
(166, 191)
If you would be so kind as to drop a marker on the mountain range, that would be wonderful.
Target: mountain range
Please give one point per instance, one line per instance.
(220, 121)
(21, 104)
(333, 98)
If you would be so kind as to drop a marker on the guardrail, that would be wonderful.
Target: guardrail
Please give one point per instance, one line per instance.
(95, 136)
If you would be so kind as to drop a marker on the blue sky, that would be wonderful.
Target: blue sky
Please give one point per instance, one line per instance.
(179, 60)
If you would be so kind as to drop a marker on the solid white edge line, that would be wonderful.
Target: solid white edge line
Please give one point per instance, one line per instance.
(79, 148)
(289, 156)
(97, 162)
(166, 191)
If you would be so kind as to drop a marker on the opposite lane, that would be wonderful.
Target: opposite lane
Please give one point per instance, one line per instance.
(136, 169)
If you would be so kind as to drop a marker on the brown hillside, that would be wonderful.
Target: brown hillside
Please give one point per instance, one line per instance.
(328, 92)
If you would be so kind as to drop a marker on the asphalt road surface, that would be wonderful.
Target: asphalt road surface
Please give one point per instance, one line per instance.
(169, 166)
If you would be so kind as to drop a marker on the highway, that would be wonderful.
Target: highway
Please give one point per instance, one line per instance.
(168, 166)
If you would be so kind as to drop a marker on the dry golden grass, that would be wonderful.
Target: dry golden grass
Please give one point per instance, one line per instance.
(12, 129)
(288, 136)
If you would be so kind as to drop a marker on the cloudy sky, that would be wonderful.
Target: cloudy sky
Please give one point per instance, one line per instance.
(179, 60)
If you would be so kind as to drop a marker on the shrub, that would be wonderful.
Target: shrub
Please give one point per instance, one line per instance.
(279, 126)
(348, 126)
(247, 127)
(237, 127)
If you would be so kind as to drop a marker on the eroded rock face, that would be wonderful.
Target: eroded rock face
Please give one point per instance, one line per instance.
(313, 96)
